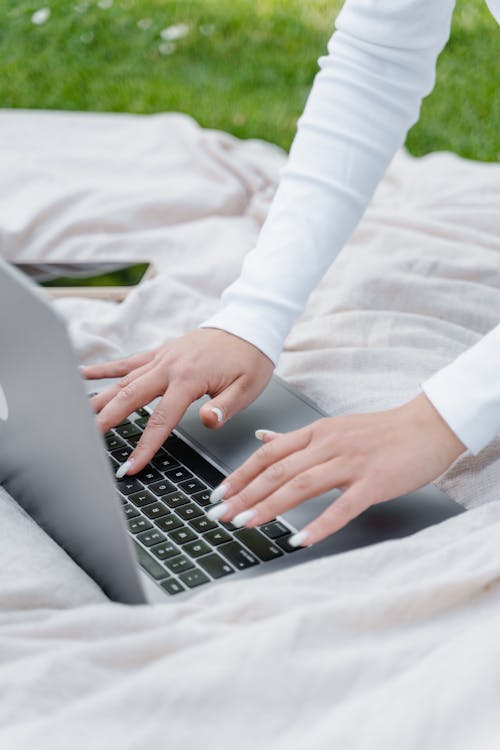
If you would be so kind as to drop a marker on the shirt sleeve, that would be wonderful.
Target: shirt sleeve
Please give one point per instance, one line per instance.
(466, 392)
(380, 64)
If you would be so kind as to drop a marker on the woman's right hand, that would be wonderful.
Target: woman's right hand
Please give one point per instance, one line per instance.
(209, 361)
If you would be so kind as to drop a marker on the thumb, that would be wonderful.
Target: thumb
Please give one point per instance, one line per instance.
(266, 435)
(230, 401)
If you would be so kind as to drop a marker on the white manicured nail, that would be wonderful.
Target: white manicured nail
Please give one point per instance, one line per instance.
(218, 511)
(242, 518)
(122, 470)
(218, 413)
(260, 434)
(219, 493)
(298, 539)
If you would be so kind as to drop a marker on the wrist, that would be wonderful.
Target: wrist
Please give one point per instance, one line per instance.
(424, 419)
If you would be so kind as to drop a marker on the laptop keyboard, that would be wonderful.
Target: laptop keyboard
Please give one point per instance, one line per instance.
(165, 504)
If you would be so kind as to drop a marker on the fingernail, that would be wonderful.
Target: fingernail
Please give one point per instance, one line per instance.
(260, 434)
(218, 413)
(242, 518)
(122, 470)
(219, 493)
(298, 539)
(218, 511)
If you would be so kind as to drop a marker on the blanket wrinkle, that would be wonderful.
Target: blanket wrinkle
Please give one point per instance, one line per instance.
(391, 646)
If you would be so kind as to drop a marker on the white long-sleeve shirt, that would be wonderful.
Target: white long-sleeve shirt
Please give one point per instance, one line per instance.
(381, 62)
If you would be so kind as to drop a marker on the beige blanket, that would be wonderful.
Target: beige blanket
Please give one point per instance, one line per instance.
(394, 646)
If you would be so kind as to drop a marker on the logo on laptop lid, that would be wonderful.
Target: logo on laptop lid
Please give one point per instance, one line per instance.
(4, 408)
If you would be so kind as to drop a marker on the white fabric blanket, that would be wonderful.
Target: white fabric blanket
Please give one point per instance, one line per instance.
(394, 646)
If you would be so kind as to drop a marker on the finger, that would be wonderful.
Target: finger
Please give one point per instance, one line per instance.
(118, 368)
(162, 421)
(267, 454)
(99, 401)
(227, 403)
(138, 392)
(308, 482)
(266, 435)
(350, 504)
(266, 484)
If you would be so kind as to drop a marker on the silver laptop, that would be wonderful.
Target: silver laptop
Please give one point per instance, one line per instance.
(147, 538)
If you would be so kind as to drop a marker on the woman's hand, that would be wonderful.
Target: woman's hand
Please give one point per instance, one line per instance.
(232, 371)
(369, 457)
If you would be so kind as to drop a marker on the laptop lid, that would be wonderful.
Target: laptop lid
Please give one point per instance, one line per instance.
(51, 456)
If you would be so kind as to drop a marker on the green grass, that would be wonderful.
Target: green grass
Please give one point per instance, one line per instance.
(245, 66)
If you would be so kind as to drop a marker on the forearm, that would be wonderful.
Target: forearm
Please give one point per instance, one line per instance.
(381, 63)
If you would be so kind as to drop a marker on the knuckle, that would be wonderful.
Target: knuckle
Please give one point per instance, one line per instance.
(302, 482)
(275, 472)
(158, 420)
(127, 391)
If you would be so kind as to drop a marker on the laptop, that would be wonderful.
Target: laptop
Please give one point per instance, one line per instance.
(147, 538)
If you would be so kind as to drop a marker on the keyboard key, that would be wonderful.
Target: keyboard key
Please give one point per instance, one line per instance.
(130, 511)
(217, 536)
(187, 512)
(175, 499)
(128, 485)
(134, 439)
(179, 564)
(121, 454)
(283, 542)
(192, 459)
(140, 413)
(190, 486)
(149, 475)
(113, 442)
(162, 488)
(164, 461)
(194, 578)
(215, 566)
(149, 564)
(263, 547)
(183, 535)
(179, 474)
(168, 523)
(202, 498)
(165, 550)
(139, 524)
(197, 548)
(203, 524)
(172, 586)
(240, 557)
(275, 529)
(142, 498)
(127, 430)
(156, 510)
(150, 537)
(143, 420)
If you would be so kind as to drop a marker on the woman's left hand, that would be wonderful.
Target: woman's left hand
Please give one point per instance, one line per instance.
(369, 457)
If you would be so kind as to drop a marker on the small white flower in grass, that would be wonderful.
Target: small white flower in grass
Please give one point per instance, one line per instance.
(105, 4)
(177, 31)
(144, 24)
(87, 37)
(41, 16)
(82, 7)
(166, 48)
(207, 29)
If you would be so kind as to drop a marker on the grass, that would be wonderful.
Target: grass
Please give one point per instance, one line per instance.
(245, 66)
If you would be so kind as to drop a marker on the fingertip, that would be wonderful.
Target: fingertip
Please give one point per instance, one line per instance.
(211, 416)
(266, 435)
